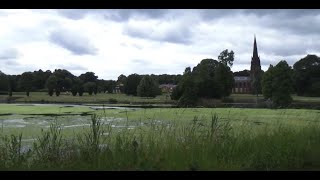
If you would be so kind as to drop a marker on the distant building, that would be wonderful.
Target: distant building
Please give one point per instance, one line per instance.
(243, 84)
(167, 88)
(118, 89)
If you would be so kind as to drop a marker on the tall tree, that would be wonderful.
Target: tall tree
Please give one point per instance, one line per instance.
(307, 76)
(76, 84)
(148, 87)
(277, 84)
(89, 87)
(132, 82)
(267, 79)
(3, 82)
(26, 82)
(51, 84)
(224, 78)
(40, 78)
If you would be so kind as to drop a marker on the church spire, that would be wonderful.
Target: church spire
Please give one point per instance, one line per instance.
(255, 49)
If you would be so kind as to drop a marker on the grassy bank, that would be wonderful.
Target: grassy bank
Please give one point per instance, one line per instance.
(20, 97)
(122, 99)
(197, 145)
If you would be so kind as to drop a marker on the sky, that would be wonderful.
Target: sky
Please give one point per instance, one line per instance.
(151, 41)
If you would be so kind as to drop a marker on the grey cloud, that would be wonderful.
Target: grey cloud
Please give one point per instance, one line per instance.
(126, 14)
(113, 14)
(76, 43)
(284, 13)
(10, 53)
(178, 34)
(75, 14)
(12, 63)
(140, 62)
(297, 21)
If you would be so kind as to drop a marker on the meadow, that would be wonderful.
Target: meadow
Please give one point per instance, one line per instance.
(123, 99)
(73, 137)
(43, 97)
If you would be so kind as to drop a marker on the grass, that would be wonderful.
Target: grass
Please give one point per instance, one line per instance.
(30, 119)
(86, 98)
(49, 138)
(196, 145)
(252, 98)
(125, 100)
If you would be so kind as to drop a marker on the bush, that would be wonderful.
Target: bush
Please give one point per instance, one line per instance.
(227, 100)
(113, 101)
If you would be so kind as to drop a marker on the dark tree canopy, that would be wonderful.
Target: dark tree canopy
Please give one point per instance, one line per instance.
(3, 82)
(132, 82)
(277, 84)
(51, 84)
(307, 76)
(89, 87)
(88, 77)
(209, 79)
(26, 82)
(148, 87)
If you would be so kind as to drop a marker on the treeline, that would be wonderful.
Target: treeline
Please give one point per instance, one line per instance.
(214, 79)
(62, 80)
(209, 79)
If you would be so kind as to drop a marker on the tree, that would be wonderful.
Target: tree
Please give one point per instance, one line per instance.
(179, 90)
(76, 84)
(11, 84)
(209, 79)
(131, 84)
(189, 97)
(224, 78)
(148, 87)
(88, 77)
(51, 84)
(89, 87)
(95, 89)
(256, 83)
(26, 82)
(40, 78)
(226, 57)
(307, 75)
(81, 89)
(3, 82)
(267, 83)
(277, 84)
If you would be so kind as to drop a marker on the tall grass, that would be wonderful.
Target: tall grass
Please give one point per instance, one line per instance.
(199, 145)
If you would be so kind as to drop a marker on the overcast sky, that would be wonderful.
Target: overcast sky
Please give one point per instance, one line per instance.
(114, 42)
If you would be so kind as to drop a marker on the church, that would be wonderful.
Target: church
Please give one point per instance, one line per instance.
(243, 84)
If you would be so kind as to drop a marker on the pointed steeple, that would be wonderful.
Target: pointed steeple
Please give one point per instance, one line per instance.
(255, 49)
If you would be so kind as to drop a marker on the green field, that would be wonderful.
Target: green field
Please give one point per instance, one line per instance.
(254, 119)
(20, 97)
(122, 99)
(69, 137)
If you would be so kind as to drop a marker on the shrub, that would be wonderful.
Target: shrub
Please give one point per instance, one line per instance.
(112, 100)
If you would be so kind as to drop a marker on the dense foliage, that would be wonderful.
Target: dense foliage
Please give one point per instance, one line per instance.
(277, 84)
